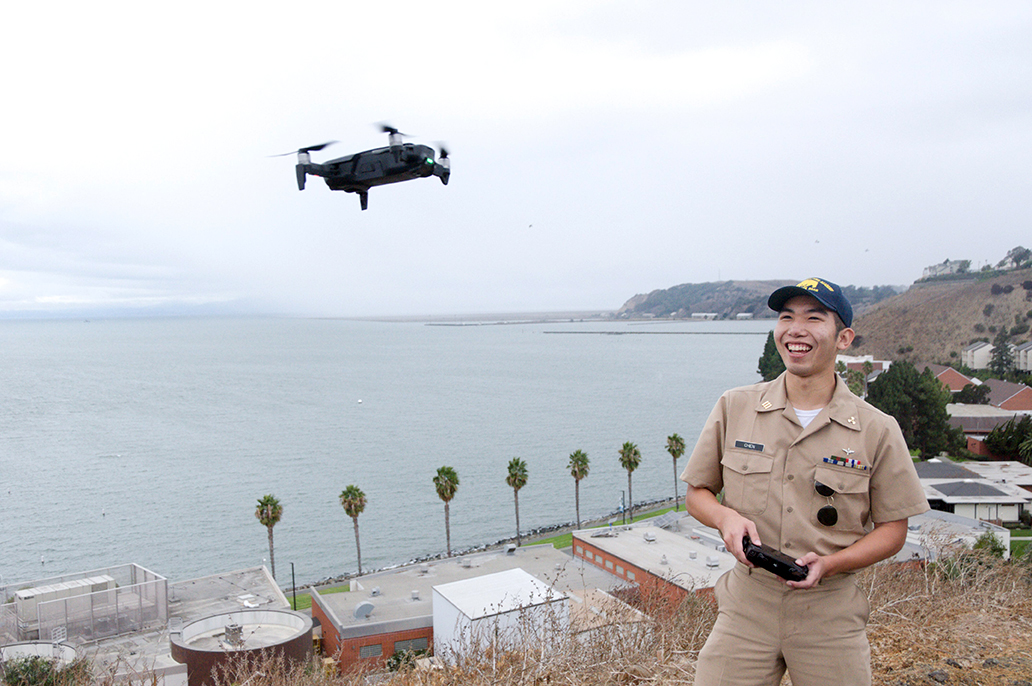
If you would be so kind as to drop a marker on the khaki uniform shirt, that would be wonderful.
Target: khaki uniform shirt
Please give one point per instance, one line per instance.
(755, 450)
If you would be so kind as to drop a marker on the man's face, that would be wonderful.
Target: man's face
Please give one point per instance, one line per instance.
(806, 337)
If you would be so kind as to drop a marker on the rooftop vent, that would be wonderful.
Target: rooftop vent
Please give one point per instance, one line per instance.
(649, 537)
(510, 549)
(692, 554)
(465, 563)
(234, 634)
(375, 592)
(664, 560)
(712, 561)
(415, 595)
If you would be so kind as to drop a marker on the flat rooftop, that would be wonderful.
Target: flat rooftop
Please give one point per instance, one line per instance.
(1006, 471)
(933, 531)
(401, 598)
(686, 554)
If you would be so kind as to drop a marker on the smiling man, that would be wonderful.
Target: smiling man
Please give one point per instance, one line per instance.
(809, 469)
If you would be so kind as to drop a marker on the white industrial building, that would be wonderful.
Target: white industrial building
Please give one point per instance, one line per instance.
(501, 611)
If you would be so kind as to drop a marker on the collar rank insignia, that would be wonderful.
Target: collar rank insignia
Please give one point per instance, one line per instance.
(766, 405)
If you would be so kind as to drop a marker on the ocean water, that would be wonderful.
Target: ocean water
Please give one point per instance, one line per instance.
(151, 440)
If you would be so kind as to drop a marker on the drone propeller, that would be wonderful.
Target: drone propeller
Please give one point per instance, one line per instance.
(442, 169)
(302, 151)
(388, 129)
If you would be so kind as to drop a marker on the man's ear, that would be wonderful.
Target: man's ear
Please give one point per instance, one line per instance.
(845, 338)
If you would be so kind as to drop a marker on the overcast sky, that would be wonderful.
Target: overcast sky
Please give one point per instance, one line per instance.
(599, 149)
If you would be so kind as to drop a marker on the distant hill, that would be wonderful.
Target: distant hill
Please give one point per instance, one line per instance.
(727, 299)
(934, 321)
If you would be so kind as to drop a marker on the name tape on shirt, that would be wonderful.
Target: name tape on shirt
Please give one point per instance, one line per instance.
(746, 445)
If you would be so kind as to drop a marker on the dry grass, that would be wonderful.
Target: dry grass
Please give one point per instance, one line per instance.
(966, 621)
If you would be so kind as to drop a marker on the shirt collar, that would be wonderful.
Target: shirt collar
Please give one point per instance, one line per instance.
(842, 409)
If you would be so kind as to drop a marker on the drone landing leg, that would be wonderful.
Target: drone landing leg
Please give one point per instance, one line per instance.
(364, 199)
(300, 169)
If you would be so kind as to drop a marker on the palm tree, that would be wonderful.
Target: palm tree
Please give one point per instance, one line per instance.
(630, 458)
(675, 446)
(353, 500)
(517, 479)
(269, 512)
(578, 466)
(446, 482)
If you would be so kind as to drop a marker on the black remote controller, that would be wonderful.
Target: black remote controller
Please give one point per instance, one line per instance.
(774, 561)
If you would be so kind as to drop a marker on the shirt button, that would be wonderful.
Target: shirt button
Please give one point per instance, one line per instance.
(791, 476)
(789, 510)
(788, 545)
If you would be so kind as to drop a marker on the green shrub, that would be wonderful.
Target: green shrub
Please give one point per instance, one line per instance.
(42, 671)
(989, 543)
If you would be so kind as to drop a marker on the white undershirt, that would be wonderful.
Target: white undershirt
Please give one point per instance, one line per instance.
(807, 416)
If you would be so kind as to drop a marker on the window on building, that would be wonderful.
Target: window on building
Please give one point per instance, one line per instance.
(630, 576)
(609, 564)
(375, 650)
(580, 550)
(413, 644)
(619, 569)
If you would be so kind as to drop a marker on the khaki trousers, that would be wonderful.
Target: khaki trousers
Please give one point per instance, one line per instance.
(763, 627)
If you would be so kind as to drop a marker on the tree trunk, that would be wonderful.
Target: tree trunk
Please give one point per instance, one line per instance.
(447, 528)
(576, 498)
(516, 498)
(630, 500)
(358, 547)
(675, 485)
(272, 555)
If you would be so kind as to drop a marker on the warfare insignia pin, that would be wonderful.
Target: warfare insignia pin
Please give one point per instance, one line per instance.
(851, 420)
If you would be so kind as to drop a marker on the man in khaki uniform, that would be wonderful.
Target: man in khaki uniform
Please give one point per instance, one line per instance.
(810, 469)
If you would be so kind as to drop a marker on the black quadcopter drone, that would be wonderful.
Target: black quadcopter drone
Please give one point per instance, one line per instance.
(359, 172)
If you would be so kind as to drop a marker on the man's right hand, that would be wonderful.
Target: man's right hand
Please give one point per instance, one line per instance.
(734, 530)
(702, 504)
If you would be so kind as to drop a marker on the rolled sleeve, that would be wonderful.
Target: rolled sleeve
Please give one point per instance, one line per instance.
(896, 491)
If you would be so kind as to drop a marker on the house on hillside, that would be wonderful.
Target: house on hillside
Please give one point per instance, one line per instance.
(951, 378)
(977, 355)
(1023, 356)
(947, 267)
(976, 421)
(857, 362)
(1009, 396)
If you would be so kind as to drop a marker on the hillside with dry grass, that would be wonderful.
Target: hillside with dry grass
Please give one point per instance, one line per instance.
(935, 321)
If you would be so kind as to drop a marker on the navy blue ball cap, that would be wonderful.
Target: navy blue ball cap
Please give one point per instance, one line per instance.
(827, 293)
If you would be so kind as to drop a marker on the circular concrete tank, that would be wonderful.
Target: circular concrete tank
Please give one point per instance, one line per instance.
(218, 640)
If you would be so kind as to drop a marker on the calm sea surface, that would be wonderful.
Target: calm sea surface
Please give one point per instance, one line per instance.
(150, 441)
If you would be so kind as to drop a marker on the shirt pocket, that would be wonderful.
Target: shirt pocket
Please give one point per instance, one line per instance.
(852, 497)
(746, 481)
